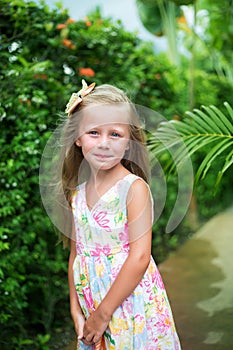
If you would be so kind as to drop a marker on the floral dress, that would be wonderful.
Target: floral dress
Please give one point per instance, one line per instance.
(144, 320)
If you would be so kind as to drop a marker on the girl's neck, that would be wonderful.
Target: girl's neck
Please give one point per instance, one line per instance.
(111, 175)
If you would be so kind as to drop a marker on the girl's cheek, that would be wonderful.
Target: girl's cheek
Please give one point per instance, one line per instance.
(89, 142)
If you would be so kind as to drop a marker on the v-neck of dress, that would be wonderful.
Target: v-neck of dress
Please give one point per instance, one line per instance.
(104, 194)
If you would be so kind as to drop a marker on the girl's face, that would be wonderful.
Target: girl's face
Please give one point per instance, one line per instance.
(104, 135)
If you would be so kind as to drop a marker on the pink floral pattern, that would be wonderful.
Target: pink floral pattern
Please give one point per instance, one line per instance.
(101, 218)
(144, 321)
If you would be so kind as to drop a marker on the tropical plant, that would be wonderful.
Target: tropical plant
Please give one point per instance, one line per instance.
(217, 34)
(167, 18)
(207, 129)
(159, 18)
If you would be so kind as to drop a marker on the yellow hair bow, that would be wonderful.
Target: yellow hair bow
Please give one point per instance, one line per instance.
(77, 97)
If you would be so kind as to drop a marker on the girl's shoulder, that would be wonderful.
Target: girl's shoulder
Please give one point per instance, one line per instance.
(133, 184)
(139, 190)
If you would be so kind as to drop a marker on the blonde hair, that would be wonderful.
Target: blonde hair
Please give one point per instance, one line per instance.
(71, 156)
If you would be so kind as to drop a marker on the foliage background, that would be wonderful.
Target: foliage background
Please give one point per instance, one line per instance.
(44, 55)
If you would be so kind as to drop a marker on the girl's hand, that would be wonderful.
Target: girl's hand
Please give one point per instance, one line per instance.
(79, 321)
(95, 326)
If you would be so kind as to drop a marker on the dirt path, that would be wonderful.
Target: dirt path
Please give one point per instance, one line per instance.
(199, 281)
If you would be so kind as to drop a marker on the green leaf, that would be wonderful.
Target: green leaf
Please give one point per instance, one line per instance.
(228, 164)
(23, 61)
(26, 342)
(228, 126)
(211, 122)
(216, 151)
(229, 109)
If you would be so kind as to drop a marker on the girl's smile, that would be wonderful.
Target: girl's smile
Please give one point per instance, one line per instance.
(102, 156)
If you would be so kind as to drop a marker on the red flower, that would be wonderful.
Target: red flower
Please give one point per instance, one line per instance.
(70, 20)
(61, 26)
(68, 43)
(88, 23)
(86, 71)
(41, 76)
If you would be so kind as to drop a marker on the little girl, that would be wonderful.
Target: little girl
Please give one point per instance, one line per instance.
(117, 296)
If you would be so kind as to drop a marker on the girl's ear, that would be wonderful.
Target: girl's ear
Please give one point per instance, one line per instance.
(78, 143)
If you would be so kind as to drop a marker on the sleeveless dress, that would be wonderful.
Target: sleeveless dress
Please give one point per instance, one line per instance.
(144, 320)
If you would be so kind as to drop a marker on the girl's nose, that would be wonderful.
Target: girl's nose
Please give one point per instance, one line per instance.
(104, 142)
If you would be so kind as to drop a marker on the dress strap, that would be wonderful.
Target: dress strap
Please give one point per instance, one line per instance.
(130, 178)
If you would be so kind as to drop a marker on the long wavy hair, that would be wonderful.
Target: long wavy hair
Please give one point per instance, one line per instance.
(136, 160)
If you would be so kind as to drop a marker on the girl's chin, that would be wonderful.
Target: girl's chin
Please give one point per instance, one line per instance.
(104, 165)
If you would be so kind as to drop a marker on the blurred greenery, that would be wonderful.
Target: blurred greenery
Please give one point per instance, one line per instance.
(44, 55)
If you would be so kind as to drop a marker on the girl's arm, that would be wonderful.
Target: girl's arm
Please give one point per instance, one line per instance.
(140, 228)
(75, 309)
(74, 303)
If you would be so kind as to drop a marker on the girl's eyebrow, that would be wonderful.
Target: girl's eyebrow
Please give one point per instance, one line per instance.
(91, 127)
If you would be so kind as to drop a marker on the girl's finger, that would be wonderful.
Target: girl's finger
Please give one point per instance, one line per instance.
(86, 342)
(89, 337)
(80, 335)
(96, 339)
(79, 331)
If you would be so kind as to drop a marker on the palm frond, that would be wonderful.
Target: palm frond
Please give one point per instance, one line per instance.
(201, 128)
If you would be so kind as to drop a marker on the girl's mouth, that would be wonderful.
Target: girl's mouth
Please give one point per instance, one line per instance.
(102, 156)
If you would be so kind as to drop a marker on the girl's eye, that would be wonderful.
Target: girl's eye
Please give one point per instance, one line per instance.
(115, 134)
(93, 132)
